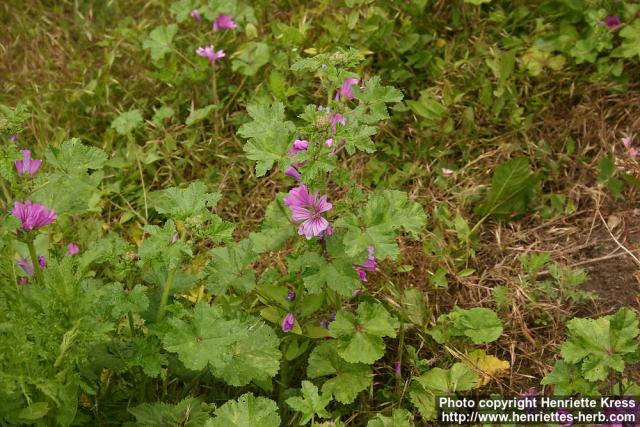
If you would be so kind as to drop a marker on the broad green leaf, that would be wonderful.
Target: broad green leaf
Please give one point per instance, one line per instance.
(250, 57)
(269, 136)
(479, 324)
(360, 337)
(246, 411)
(238, 350)
(319, 274)
(348, 379)
(189, 412)
(512, 190)
(437, 382)
(311, 404)
(399, 418)
(567, 379)
(35, 411)
(630, 46)
(275, 230)
(379, 223)
(127, 122)
(183, 203)
(230, 266)
(160, 247)
(600, 345)
(73, 157)
(160, 41)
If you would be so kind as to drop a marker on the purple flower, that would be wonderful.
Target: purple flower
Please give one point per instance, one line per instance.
(224, 22)
(611, 22)
(332, 316)
(174, 238)
(397, 368)
(632, 151)
(357, 292)
(33, 215)
(291, 296)
(27, 266)
(14, 137)
(334, 119)
(346, 90)
(293, 173)
(298, 146)
(369, 265)
(209, 53)
(288, 322)
(27, 165)
(325, 323)
(196, 15)
(308, 209)
(73, 249)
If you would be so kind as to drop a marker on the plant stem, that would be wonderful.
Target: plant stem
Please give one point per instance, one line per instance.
(130, 316)
(399, 359)
(36, 264)
(216, 100)
(165, 293)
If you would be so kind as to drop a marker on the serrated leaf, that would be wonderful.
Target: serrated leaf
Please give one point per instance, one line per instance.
(189, 413)
(73, 157)
(183, 203)
(238, 350)
(438, 381)
(275, 229)
(230, 266)
(311, 404)
(127, 122)
(268, 134)
(399, 418)
(348, 379)
(246, 411)
(600, 345)
(479, 324)
(160, 41)
(360, 337)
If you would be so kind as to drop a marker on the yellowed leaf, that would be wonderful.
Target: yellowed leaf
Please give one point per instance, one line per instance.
(486, 366)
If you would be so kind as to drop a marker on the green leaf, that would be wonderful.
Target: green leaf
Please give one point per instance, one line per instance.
(310, 404)
(183, 203)
(189, 412)
(477, 2)
(437, 382)
(360, 337)
(379, 223)
(230, 266)
(429, 108)
(567, 380)
(319, 274)
(73, 157)
(275, 229)
(348, 379)
(159, 246)
(197, 116)
(246, 411)
(268, 134)
(238, 350)
(630, 46)
(512, 190)
(160, 41)
(35, 411)
(607, 176)
(250, 57)
(127, 122)
(481, 325)
(399, 418)
(600, 345)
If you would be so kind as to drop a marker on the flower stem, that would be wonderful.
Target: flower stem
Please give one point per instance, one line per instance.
(216, 100)
(165, 293)
(36, 264)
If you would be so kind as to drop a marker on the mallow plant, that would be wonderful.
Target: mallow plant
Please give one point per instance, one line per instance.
(185, 324)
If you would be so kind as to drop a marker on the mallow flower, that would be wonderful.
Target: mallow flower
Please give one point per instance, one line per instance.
(288, 322)
(297, 146)
(308, 208)
(33, 215)
(611, 22)
(73, 249)
(346, 90)
(27, 266)
(334, 119)
(210, 53)
(196, 15)
(224, 22)
(27, 165)
(369, 265)
(633, 152)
